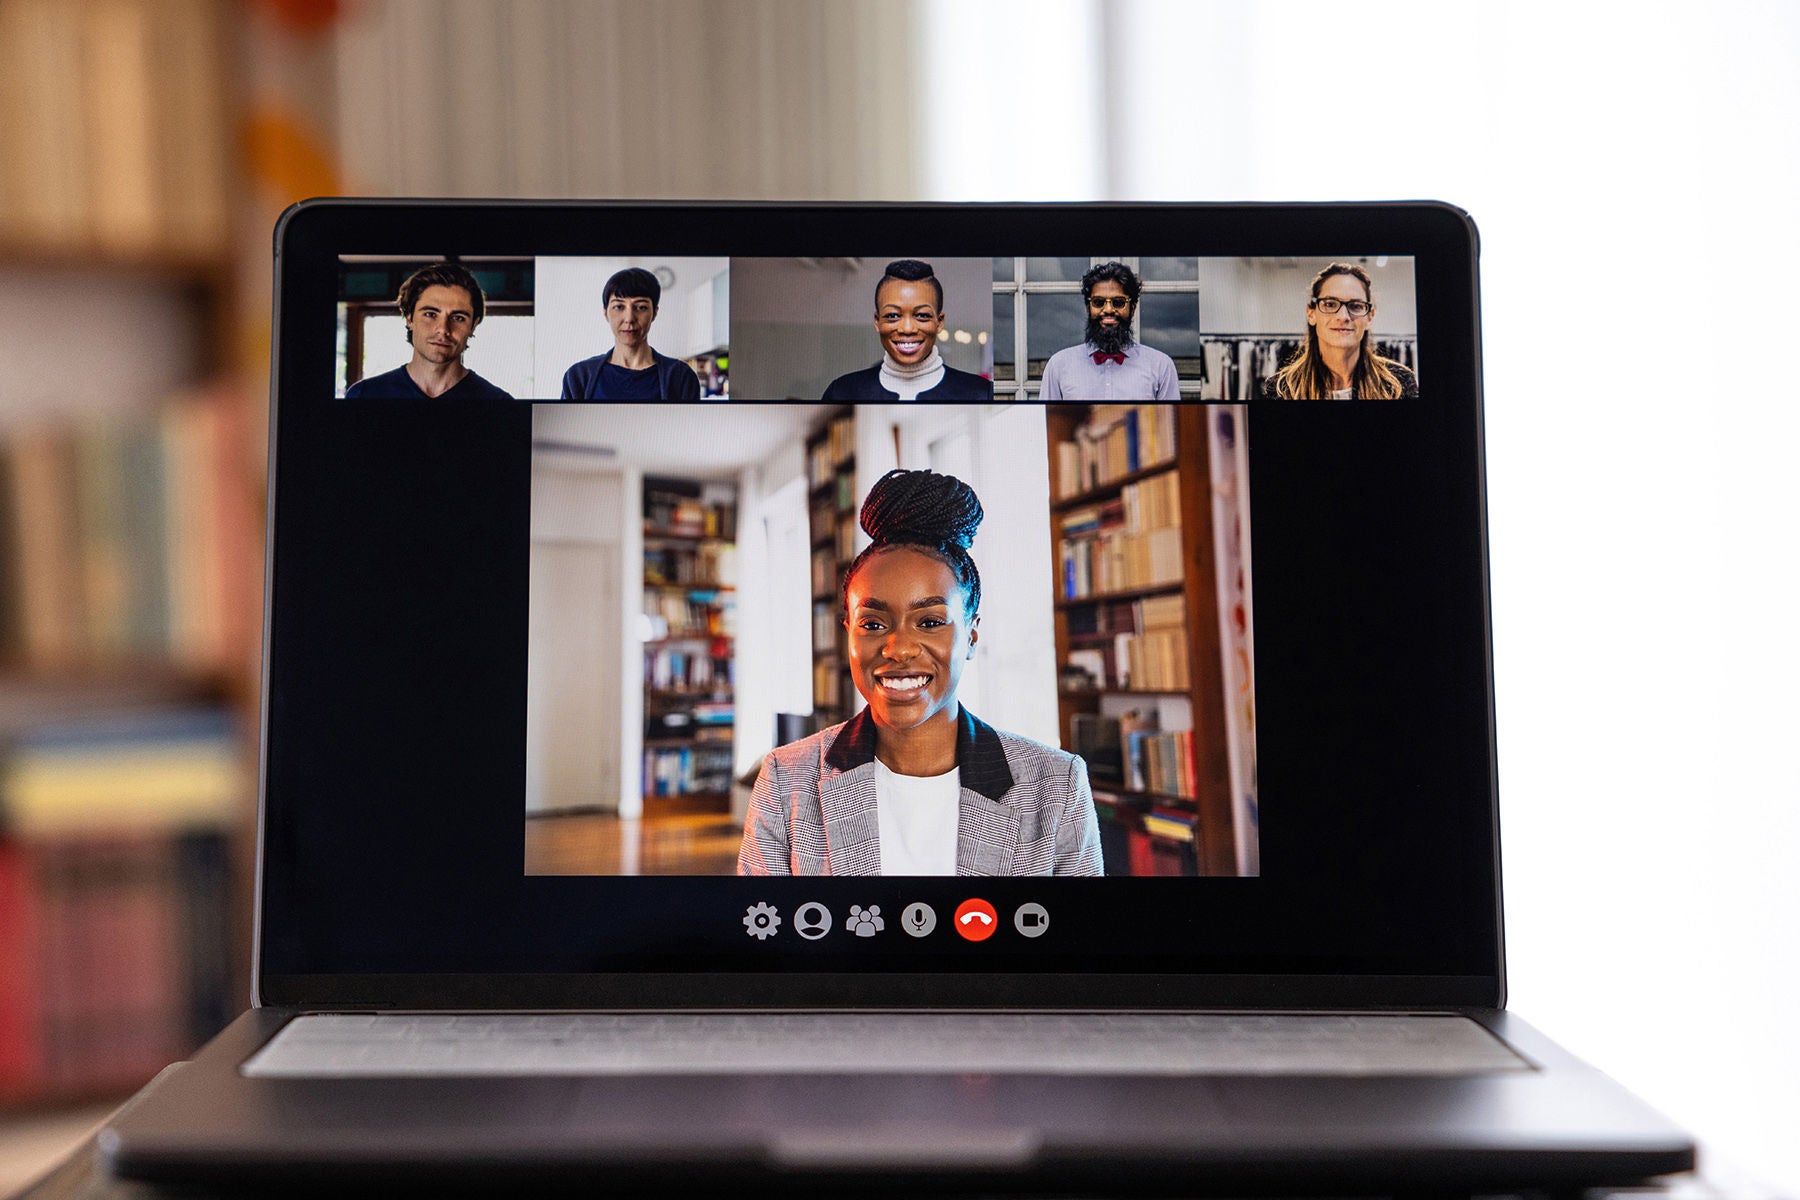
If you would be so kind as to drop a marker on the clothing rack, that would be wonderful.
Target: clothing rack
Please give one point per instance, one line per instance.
(1290, 336)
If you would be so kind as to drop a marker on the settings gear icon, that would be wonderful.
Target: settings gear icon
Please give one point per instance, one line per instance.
(761, 921)
(865, 922)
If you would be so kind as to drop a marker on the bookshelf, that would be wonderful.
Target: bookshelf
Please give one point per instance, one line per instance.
(131, 513)
(1141, 685)
(690, 607)
(831, 521)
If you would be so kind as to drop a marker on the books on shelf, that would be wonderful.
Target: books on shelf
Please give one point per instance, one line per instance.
(1149, 842)
(824, 573)
(831, 469)
(704, 767)
(713, 563)
(834, 448)
(1133, 541)
(828, 684)
(114, 959)
(682, 667)
(87, 92)
(696, 613)
(160, 769)
(1116, 440)
(115, 896)
(1095, 738)
(827, 621)
(131, 538)
(821, 516)
(1132, 753)
(1126, 645)
(679, 508)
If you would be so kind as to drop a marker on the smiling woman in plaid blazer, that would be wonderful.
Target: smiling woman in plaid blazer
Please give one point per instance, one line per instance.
(915, 784)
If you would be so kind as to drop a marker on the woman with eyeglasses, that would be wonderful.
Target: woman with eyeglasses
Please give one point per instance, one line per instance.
(909, 312)
(915, 784)
(1338, 361)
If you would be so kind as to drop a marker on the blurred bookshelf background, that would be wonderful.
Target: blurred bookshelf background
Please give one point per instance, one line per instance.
(131, 509)
(146, 149)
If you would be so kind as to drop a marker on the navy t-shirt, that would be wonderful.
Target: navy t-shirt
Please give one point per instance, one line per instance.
(622, 383)
(595, 379)
(398, 385)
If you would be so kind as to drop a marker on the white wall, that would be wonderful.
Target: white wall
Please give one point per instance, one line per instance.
(773, 671)
(1633, 173)
(580, 746)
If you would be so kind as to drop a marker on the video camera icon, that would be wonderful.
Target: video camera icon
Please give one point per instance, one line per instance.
(1032, 920)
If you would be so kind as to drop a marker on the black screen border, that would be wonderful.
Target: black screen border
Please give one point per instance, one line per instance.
(1459, 963)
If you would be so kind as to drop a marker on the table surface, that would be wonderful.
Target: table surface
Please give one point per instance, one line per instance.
(79, 1177)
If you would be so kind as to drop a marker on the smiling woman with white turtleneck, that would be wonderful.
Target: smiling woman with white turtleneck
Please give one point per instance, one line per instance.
(909, 312)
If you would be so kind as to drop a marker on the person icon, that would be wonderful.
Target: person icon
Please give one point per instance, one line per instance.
(813, 921)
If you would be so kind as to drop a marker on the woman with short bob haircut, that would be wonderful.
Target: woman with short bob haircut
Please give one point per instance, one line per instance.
(915, 784)
(1338, 361)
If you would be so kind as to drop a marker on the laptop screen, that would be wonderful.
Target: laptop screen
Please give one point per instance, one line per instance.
(875, 605)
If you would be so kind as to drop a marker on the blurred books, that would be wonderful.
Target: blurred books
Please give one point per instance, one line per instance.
(122, 540)
(115, 896)
(114, 126)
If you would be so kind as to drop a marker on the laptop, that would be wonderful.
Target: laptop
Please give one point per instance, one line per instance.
(653, 792)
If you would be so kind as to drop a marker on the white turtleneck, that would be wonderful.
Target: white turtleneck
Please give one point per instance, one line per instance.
(907, 382)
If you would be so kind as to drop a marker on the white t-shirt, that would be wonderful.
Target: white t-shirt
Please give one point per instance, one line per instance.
(916, 816)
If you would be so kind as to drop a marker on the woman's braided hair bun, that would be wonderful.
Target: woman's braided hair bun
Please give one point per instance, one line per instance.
(921, 508)
(935, 513)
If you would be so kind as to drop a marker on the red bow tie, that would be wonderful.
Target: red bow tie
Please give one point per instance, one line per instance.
(1100, 357)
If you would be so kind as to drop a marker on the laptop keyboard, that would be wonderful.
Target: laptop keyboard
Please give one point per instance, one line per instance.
(422, 1045)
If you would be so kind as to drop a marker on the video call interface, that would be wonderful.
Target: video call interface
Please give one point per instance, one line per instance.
(887, 565)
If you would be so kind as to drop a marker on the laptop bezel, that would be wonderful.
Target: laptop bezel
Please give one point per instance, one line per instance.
(315, 232)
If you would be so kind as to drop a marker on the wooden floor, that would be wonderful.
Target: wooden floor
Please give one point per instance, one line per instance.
(703, 843)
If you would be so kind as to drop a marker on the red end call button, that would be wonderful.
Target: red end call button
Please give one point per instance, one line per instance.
(975, 920)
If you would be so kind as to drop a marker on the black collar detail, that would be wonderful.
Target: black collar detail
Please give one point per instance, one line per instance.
(979, 755)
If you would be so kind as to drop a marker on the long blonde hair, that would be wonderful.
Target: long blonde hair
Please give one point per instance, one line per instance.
(1306, 377)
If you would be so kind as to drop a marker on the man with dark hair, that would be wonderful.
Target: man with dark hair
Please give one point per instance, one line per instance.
(909, 313)
(1110, 365)
(441, 305)
(631, 370)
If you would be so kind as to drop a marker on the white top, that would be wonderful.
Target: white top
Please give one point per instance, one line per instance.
(908, 382)
(916, 816)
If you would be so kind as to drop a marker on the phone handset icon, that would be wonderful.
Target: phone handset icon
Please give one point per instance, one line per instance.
(975, 920)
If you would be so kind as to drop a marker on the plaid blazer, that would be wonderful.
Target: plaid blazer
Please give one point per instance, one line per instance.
(1025, 808)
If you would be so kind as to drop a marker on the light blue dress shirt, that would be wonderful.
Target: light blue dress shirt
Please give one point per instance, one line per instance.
(1146, 374)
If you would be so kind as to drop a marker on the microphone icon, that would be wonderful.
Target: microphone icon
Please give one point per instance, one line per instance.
(918, 919)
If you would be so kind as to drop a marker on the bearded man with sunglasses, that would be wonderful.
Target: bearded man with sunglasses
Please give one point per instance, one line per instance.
(1110, 365)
